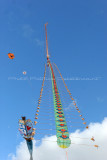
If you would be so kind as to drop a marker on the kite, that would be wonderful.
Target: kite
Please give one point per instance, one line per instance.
(54, 102)
(24, 72)
(11, 55)
(27, 131)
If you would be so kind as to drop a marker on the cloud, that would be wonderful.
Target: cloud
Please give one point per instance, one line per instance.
(28, 31)
(99, 99)
(49, 149)
(21, 152)
(39, 42)
(70, 106)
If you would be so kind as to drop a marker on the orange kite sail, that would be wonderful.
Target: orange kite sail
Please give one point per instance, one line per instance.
(11, 55)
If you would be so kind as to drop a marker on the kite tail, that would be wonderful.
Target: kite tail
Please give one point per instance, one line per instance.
(31, 158)
(30, 148)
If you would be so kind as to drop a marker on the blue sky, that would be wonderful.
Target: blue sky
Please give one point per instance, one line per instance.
(77, 36)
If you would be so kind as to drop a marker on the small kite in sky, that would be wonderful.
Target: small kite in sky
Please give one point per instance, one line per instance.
(11, 55)
(24, 72)
(93, 139)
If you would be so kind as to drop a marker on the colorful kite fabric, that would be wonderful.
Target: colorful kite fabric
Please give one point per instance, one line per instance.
(27, 131)
(26, 128)
(62, 134)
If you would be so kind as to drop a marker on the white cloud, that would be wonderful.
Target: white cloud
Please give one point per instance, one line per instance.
(39, 42)
(28, 31)
(49, 150)
(71, 105)
(99, 99)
